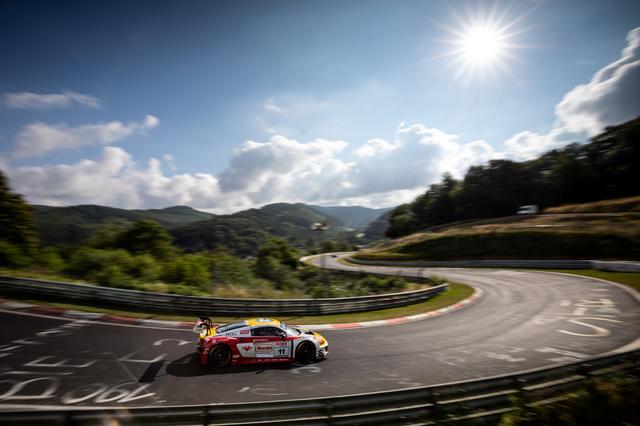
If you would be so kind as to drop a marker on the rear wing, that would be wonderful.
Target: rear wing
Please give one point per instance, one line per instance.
(202, 323)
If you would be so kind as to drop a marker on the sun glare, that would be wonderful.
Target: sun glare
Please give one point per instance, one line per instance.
(482, 42)
(481, 45)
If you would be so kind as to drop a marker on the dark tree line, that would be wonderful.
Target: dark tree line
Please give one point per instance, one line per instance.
(606, 167)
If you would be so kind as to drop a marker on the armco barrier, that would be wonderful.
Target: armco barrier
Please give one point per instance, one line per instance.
(603, 265)
(191, 305)
(469, 402)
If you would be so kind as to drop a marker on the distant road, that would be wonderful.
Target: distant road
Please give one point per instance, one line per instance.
(524, 320)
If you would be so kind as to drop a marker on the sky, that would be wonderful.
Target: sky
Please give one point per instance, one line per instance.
(229, 105)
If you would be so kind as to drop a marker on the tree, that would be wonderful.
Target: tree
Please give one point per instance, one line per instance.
(275, 261)
(17, 228)
(401, 221)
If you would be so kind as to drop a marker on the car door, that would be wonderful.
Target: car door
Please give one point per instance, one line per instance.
(269, 343)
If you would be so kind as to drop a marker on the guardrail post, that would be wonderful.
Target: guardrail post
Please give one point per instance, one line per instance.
(328, 410)
(207, 416)
(438, 412)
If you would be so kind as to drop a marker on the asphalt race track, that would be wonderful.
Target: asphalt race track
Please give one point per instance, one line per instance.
(523, 321)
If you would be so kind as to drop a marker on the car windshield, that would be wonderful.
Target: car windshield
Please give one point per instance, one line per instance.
(228, 327)
(293, 331)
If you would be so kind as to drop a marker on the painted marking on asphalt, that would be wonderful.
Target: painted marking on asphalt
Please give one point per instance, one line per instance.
(597, 331)
(547, 350)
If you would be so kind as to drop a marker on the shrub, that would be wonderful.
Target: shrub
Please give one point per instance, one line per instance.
(89, 262)
(50, 258)
(190, 269)
(113, 276)
(145, 268)
(12, 256)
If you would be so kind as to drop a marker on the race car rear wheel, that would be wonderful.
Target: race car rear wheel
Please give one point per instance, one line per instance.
(306, 352)
(220, 356)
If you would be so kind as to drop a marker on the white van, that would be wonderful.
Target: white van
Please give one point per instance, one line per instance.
(531, 209)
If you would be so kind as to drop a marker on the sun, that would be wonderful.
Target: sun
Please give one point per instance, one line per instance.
(481, 45)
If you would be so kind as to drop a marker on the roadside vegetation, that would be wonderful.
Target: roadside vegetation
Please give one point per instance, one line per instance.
(600, 402)
(620, 205)
(612, 241)
(607, 167)
(141, 255)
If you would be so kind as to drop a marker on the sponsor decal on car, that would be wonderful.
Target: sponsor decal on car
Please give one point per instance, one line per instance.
(264, 348)
(244, 332)
(246, 347)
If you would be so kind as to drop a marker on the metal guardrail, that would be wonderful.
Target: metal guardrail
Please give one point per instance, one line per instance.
(603, 265)
(473, 401)
(192, 305)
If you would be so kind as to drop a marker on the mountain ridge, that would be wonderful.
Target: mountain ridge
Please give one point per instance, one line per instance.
(242, 232)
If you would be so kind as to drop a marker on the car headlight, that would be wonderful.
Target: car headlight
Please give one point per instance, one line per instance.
(321, 340)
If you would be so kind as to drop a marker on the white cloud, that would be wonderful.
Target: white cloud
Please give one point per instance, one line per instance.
(270, 105)
(38, 101)
(41, 138)
(114, 179)
(611, 97)
(278, 170)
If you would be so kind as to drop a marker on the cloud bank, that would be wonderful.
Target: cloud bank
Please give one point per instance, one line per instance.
(41, 138)
(40, 101)
(611, 97)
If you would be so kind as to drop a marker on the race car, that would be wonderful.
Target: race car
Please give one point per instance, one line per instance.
(257, 341)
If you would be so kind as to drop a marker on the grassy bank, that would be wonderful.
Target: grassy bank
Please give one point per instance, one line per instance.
(454, 294)
(541, 243)
(618, 205)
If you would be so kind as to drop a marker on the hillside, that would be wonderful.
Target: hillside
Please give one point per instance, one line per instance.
(607, 166)
(72, 225)
(546, 236)
(241, 233)
(355, 217)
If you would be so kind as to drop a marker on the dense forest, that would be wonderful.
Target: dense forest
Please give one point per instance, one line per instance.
(606, 167)
(241, 233)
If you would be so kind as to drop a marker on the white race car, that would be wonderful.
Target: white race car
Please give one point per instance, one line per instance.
(255, 341)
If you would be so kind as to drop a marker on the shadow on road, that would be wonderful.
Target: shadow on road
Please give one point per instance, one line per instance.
(189, 366)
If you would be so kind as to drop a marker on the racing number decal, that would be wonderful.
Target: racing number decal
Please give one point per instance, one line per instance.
(282, 349)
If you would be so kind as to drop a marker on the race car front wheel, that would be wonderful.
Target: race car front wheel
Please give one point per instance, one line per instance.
(220, 356)
(306, 352)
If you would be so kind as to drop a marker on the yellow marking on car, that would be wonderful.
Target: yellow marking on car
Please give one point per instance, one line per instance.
(262, 321)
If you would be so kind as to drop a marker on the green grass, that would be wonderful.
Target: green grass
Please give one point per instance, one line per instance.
(454, 294)
(525, 243)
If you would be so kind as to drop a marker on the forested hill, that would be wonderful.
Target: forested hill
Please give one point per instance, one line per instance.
(242, 232)
(355, 217)
(75, 224)
(606, 167)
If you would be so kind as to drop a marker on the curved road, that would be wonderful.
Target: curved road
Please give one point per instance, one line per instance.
(524, 320)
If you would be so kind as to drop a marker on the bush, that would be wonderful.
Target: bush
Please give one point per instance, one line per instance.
(145, 268)
(191, 270)
(50, 258)
(12, 256)
(113, 276)
(89, 262)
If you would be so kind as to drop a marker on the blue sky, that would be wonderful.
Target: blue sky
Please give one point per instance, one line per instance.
(230, 105)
